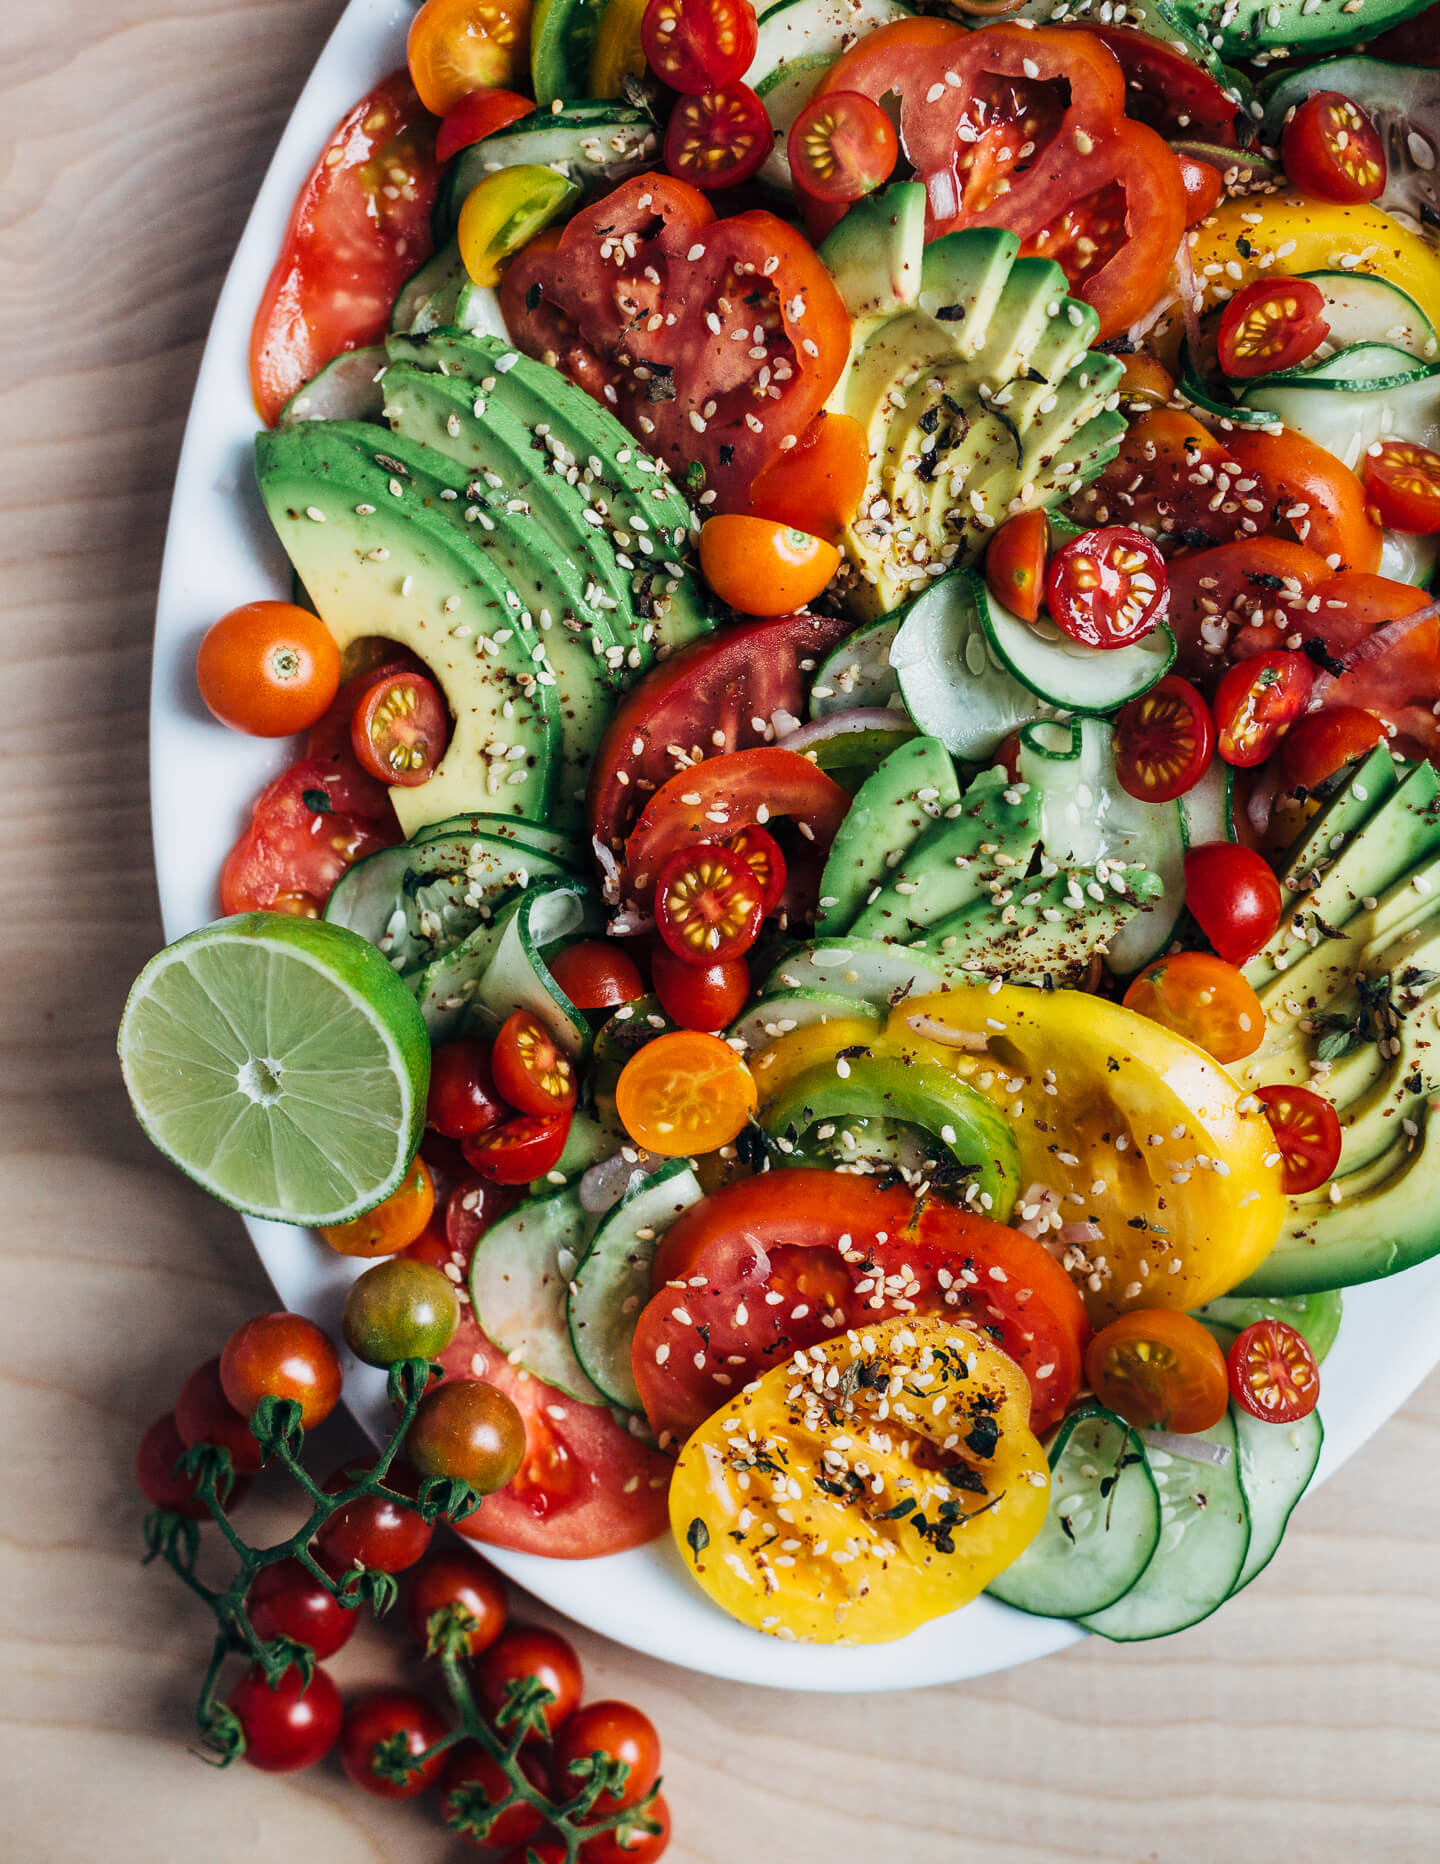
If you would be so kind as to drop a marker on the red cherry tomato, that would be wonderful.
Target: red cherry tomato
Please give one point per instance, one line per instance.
(628, 1844)
(705, 998)
(1331, 149)
(1164, 741)
(529, 1068)
(456, 1576)
(523, 1148)
(203, 1414)
(1234, 897)
(1107, 588)
(619, 1731)
(477, 116)
(1321, 743)
(1272, 324)
(719, 139)
(1402, 479)
(372, 1531)
(709, 904)
(400, 729)
(842, 146)
(472, 1767)
(1273, 1373)
(1256, 703)
(698, 45)
(379, 1717)
(530, 1650)
(1015, 563)
(291, 1726)
(160, 1450)
(1307, 1135)
(463, 1100)
(467, 1431)
(597, 975)
(762, 854)
(281, 1356)
(285, 1600)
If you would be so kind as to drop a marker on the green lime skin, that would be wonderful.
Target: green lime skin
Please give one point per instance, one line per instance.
(400, 1310)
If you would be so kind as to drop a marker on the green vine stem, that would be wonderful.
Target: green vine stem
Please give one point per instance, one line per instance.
(175, 1539)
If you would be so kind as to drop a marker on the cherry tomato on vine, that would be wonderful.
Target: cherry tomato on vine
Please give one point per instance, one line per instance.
(1015, 563)
(1107, 588)
(463, 1100)
(841, 146)
(1330, 148)
(699, 45)
(684, 1092)
(1234, 897)
(530, 1070)
(762, 854)
(1202, 998)
(718, 140)
(285, 1600)
(619, 1731)
(523, 1148)
(203, 1414)
(709, 904)
(378, 1718)
(817, 484)
(472, 1767)
(291, 1726)
(1272, 324)
(458, 46)
(530, 1650)
(1402, 479)
(596, 974)
(629, 1844)
(1307, 1135)
(400, 729)
(393, 1224)
(477, 116)
(1273, 1374)
(456, 1576)
(372, 1531)
(268, 668)
(1164, 741)
(400, 1309)
(281, 1356)
(160, 1449)
(762, 568)
(1257, 701)
(1158, 1369)
(707, 997)
(467, 1431)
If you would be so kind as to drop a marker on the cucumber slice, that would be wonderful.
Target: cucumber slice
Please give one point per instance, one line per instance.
(587, 1143)
(1361, 308)
(857, 673)
(445, 987)
(1102, 1528)
(520, 1275)
(612, 1283)
(1276, 1464)
(1317, 1316)
(518, 977)
(1343, 407)
(522, 835)
(862, 969)
(592, 142)
(1207, 811)
(427, 299)
(347, 389)
(1204, 1539)
(784, 1011)
(628, 1030)
(1067, 673)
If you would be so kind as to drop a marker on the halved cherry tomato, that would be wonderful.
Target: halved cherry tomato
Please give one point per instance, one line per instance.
(390, 1226)
(708, 904)
(1403, 481)
(1331, 149)
(596, 974)
(1203, 999)
(1307, 1135)
(761, 853)
(1234, 897)
(268, 668)
(530, 1070)
(708, 998)
(1159, 1369)
(841, 146)
(476, 116)
(1015, 563)
(400, 729)
(523, 1148)
(506, 211)
(1271, 324)
(1273, 1373)
(1204, 187)
(1164, 741)
(1107, 588)
(719, 139)
(817, 484)
(463, 1100)
(458, 46)
(1256, 702)
(1321, 743)
(684, 1092)
(699, 45)
(763, 568)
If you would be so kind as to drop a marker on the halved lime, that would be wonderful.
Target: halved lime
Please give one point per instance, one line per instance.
(281, 1063)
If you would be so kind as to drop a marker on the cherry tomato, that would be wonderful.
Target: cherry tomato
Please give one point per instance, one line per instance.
(709, 904)
(762, 854)
(842, 146)
(1159, 1369)
(378, 1718)
(1402, 479)
(159, 1451)
(1144, 383)
(530, 1071)
(817, 484)
(1321, 743)
(467, 1431)
(530, 1650)
(476, 116)
(1234, 897)
(523, 1148)
(1273, 1373)
(268, 668)
(707, 999)
(618, 1731)
(281, 1356)
(400, 1309)
(1203, 999)
(285, 1600)
(1015, 563)
(763, 568)
(1204, 188)
(469, 1211)
(372, 1531)
(699, 45)
(1271, 324)
(1257, 701)
(684, 1092)
(718, 140)
(1307, 1135)
(203, 1414)
(472, 1767)
(291, 1726)
(596, 974)
(400, 729)
(456, 1576)
(630, 1844)
(1107, 588)
(458, 46)
(1164, 741)
(1330, 148)
(463, 1100)
(393, 1224)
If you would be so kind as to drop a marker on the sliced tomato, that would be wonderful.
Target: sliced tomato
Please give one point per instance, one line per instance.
(521, 1149)
(530, 1071)
(817, 484)
(1273, 1373)
(684, 388)
(1308, 490)
(478, 115)
(1239, 599)
(1307, 1135)
(762, 854)
(1391, 669)
(685, 1092)
(1107, 588)
(1331, 149)
(1204, 187)
(1403, 481)
(1163, 481)
(359, 228)
(708, 904)
(307, 826)
(399, 729)
(1167, 90)
(1255, 703)
(719, 139)
(841, 146)
(1271, 324)
(698, 45)
(1015, 563)
(1164, 741)
(1316, 746)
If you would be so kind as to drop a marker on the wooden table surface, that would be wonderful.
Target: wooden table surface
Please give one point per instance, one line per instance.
(1300, 1723)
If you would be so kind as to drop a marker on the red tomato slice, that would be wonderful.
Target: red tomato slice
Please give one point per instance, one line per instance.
(698, 45)
(1395, 674)
(530, 1071)
(1255, 702)
(522, 1149)
(596, 321)
(400, 728)
(1107, 588)
(1164, 741)
(1307, 1135)
(1271, 324)
(1015, 563)
(1166, 90)
(708, 905)
(719, 139)
(1273, 1373)
(359, 228)
(762, 854)
(1239, 599)
(1332, 149)
(477, 116)
(841, 146)
(1162, 481)
(1403, 481)
(307, 826)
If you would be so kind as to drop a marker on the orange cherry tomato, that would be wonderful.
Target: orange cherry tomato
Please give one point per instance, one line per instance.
(281, 1356)
(1203, 999)
(1015, 563)
(1144, 381)
(1273, 1373)
(391, 1226)
(458, 46)
(760, 567)
(268, 668)
(530, 1071)
(817, 484)
(1321, 743)
(476, 116)
(684, 1092)
(1159, 1369)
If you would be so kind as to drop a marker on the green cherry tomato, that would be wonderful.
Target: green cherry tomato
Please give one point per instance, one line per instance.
(400, 1309)
(468, 1431)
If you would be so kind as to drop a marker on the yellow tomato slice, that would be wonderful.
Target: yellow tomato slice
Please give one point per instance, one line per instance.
(505, 211)
(791, 1055)
(853, 1512)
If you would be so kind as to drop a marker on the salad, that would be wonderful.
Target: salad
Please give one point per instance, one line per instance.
(857, 872)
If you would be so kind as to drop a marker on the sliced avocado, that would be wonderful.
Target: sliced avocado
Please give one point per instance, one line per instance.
(963, 279)
(914, 786)
(1240, 28)
(362, 518)
(562, 37)
(876, 253)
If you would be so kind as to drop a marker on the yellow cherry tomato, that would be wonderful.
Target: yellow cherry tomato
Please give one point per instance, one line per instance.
(684, 1092)
(391, 1226)
(505, 211)
(617, 53)
(761, 567)
(458, 46)
(855, 1511)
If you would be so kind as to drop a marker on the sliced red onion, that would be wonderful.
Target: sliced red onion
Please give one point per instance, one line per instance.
(1041, 1202)
(603, 1186)
(1193, 1449)
(609, 871)
(838, 725)
(1260, 803)
(1189, 287)
(974, 1039)
(1081, 1235)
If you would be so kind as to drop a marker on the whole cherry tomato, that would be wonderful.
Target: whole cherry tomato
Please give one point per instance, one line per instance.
(530, 1650)
(281, 1356)
(468, 1431)
(463, 1101)
(160, 1450)
(203, 1414)
(285, 1600)
(617, 1731)
(705, 998)
(475, 1781)
(378, 1718)
(456, 1576)
(268, 668)
(1321, 743)
(763, 568)
(372, 1531)
(629, 1844)
(596, 974)
(1234, 897)
(291, 1726)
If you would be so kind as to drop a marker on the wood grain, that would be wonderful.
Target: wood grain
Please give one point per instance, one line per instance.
(1302, 1722)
